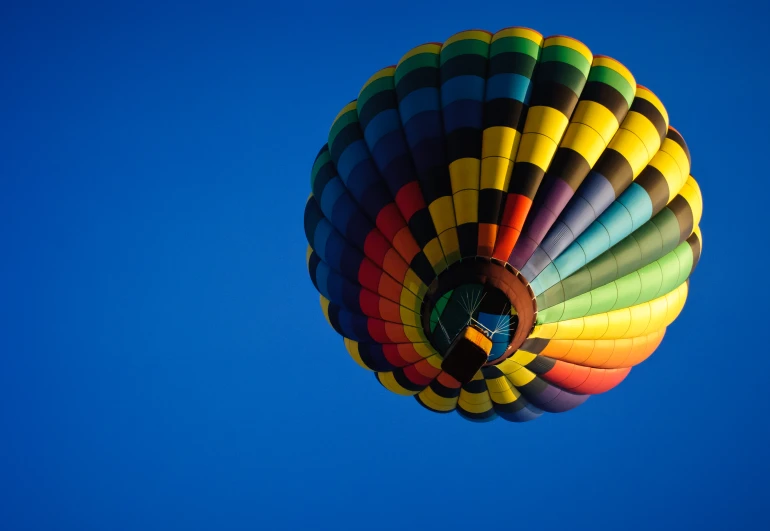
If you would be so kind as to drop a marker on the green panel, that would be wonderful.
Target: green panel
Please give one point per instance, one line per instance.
(566, 55)
(629, 289)
(612, 78)
(652, 279)
(515, 44)
(421, 60)
(379, 85)
(465, 46)
(349, 117)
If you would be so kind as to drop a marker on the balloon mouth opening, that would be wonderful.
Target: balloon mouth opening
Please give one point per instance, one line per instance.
(486, 295)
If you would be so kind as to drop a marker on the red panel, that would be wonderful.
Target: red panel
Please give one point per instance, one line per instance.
(370, 303)
(369, 275)
(394, 356)
(416, 377)
(506, 240)
(376, 246)
(389, 221)
(409, 199)
(376, 329)
(409, 353)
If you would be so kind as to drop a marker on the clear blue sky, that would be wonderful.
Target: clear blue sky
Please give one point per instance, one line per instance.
(164, 363)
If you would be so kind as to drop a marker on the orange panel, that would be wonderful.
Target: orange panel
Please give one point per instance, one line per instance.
(487, 237)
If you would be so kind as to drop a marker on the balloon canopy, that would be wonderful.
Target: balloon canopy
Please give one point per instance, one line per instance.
(502, 224)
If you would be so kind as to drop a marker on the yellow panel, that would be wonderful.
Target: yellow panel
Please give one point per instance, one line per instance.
(409, 317)
(443, 213)
(434, 360)
(666, 165)
(643, 128)
(659, 312)
(389, 382)
(523, 357)
(474, 398)
(618, 67)
(645, 93)
(464, 174)
(470, 34)
(585, 140)
(439, 403)
(545, 331)
(501, 391)
(521, 377)
(307, 256)
(569, 329)
(496, 173)
(385, 72)
(632, 148)
(519, 32)
(561, 40)
(451, 245)
(347, 108)
(499, 141)
(352, 348)
(415, 334)
(409, 300)
(691, 192)
(412, 282)
(536, 149)
(619, 323)
(424, 48)
(594, 327)
(598, 117)
(435, 255)
(677, 153)
(546, 121)
(474, 408)
(467, 206)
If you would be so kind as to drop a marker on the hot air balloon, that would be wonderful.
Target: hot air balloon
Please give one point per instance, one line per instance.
(502, 224)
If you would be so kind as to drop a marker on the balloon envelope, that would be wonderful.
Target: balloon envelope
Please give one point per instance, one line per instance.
(502, 224)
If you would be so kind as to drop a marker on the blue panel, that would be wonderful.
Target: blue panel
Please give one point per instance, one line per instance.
(331, 194)
(390, 147)
(463, 113)
(423, 125)
(509, 86)
(363, 177)
(321, 276)
(638, 202)
(380, 125)
(588, 246)
(342, 211)
(421, 100)
(351, 157)
(321, 238)
(462, 88)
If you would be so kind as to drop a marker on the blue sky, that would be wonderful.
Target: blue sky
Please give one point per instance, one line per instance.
(164, 363)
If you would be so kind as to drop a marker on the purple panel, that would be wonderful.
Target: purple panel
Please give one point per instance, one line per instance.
(564, 402)
(556, 199)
